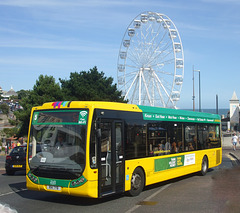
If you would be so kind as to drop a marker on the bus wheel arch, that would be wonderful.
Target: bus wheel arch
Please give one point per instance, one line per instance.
(137, 181)
(204, 166)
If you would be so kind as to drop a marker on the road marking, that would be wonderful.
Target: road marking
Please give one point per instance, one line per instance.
(230, 157)
(8, 193)
(148, 198)
(235, 161)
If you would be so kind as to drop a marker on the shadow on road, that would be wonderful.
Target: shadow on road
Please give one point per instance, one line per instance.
(175, 180)
(17, 173)
(20, 189)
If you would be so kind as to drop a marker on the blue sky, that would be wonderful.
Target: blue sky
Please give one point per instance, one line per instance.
(56, 37)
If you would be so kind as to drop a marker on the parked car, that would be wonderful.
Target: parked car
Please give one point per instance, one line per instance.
(16, 160)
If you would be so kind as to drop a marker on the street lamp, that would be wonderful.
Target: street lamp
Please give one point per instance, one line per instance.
(199, 90)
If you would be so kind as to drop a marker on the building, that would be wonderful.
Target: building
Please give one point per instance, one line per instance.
(8, 94)
(231, 123)
(1, 91)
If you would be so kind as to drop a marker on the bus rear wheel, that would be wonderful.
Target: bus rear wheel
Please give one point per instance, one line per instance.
(137, 182)
(204, 168)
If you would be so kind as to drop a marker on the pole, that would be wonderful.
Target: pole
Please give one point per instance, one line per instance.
(200, 110)
(193, 92)
(199, 90)
(216, 104)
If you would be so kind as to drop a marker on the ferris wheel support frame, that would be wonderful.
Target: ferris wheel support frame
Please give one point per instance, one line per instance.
(148, 80)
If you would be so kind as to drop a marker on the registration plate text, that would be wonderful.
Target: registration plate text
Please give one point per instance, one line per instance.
(55, 188)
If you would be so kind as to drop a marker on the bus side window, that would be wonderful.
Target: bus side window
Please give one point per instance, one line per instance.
(214, 136)
(202, 137)
(136, 141)
(190, 138)
(177, 138)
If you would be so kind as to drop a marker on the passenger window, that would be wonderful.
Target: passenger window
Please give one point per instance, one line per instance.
(190, 138)
(214, 136)
(202, 137)
(157, 139)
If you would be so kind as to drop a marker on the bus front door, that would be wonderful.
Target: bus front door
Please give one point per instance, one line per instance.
(111, 171)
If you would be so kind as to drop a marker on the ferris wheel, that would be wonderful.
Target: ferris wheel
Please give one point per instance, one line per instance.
(151, 61)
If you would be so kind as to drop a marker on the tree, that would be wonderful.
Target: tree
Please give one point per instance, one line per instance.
(5, 108)
(45, 90)
(9, 131)
(90, 86)
(22, 93)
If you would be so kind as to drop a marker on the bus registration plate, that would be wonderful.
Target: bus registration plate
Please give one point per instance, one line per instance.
(55, 188)
(17, 166)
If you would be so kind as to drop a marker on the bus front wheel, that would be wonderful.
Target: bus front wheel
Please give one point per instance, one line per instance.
(204, 167)
(137, 182)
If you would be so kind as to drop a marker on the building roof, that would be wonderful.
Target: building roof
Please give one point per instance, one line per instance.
(234, 97)
(10, 93)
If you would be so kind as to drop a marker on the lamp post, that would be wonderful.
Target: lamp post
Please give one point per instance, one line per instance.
(199, 90)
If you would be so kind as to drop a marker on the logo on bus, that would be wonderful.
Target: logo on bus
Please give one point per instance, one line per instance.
(83, 117)
(53, 182)
(60, 104)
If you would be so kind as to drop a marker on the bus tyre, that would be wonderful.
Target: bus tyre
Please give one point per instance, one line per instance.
(204, 168)
(137, 182)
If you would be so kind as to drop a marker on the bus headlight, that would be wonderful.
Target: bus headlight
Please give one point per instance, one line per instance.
(78, 182)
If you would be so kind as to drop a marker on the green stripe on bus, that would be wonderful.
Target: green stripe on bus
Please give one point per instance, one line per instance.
(164, 114)
(57, 182)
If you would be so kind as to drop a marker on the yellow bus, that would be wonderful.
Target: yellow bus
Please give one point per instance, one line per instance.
(95, 149)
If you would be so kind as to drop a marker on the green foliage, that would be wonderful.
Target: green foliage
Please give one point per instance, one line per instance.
(45, 90)
(23, 93)
(12, 97)
(9, 132)
(5, 108)
(12, 122)
(90, 86)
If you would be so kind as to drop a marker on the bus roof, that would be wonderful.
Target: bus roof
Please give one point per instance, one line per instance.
(149, 113)
(89, 104)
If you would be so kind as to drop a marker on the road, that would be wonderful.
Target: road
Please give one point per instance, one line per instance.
(218, 191)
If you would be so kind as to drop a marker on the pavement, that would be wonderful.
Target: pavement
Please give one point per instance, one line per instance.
(2, 153)
(234, 155)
